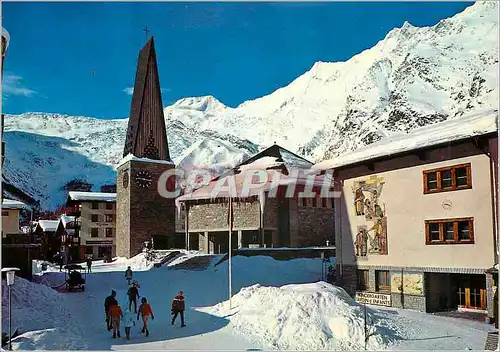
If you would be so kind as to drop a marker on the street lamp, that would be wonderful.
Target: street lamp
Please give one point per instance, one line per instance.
(10, 274)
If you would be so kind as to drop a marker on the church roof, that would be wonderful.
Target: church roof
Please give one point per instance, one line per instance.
(273, 157)
(146, 134)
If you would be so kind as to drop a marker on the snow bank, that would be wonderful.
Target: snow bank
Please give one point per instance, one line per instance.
(34, 306)
(311, 317)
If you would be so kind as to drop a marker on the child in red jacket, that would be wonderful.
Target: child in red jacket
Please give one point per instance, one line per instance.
(146, 312)
(178, 307)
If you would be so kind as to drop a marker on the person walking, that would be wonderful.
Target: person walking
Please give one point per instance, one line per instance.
(89, 264)
(146, 312)
(128, 275)
(115, 315)
(178, 306)
(108, 302)
(128, 321)
(133, 295)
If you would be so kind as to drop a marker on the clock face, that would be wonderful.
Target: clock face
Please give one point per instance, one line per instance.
(143, 178)
(125, 179)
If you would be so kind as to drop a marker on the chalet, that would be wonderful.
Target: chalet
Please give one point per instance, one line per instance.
(68, 230)
(45, 233)
(10, 216)
(265, 216)
(94, 222)
(417, 216)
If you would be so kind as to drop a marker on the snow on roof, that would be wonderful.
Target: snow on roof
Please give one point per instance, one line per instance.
(65, 219)
(130, 157)
(48, 225)
(222, 188)
(92, 196)
(293, 160)
(263, 163)
(13, 204)
(443, 132)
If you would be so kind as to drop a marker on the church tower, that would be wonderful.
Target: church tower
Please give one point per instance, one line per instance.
(142, 213)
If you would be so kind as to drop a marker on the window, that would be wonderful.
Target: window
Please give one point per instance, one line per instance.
(109, 232)
(5, 213)
(94, 217)
(383, 280)
(449, 231)
(314, 202)
(95, 205)
(94, 232)
(109, 218)
(362, 280)
(445, 179)
(109, 206)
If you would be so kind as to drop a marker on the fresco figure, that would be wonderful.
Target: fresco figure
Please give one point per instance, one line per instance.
(361, 242)
(359, 202)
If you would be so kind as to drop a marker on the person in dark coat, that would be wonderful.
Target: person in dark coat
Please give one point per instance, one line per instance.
(133, 295)
(89, 264)
(108, 303)
(178, 306)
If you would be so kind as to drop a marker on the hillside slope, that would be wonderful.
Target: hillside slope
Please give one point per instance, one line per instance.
(413, 77)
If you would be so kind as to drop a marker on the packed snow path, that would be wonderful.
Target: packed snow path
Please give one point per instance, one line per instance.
(76, 321)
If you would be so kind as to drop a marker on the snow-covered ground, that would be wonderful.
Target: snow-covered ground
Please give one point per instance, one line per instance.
(276, 305)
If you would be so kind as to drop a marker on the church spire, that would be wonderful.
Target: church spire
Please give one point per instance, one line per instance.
(146, 133)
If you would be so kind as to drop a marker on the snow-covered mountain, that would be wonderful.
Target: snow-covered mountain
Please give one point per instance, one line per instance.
(413, 77)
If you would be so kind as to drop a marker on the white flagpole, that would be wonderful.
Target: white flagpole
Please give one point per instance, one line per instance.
(230, 249)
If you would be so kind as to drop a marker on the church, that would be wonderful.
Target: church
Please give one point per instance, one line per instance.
(142, 214)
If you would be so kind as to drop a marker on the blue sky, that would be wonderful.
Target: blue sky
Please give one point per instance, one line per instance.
(80, 58)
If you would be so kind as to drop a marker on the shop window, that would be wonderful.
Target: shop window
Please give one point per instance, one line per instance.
(383, 280)
(362, 280)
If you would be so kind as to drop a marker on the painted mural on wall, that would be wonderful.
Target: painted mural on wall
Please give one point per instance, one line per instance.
(413, 284)
(372, 237)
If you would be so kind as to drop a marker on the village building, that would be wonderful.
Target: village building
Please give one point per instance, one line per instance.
(416, 222)
(68, 231)
(262, 217)
(94, 223)
(143, 213)
(11, 212)
(45, 234)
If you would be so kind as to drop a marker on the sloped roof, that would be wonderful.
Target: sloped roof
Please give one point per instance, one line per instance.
(92, 196)
(48, 225)
(282, 158)
(13, 204)
(455, 129)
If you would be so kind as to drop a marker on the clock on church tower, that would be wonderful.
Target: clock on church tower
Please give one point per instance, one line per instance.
(142, 213)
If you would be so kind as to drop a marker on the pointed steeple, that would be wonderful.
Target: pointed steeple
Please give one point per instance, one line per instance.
(146, 133)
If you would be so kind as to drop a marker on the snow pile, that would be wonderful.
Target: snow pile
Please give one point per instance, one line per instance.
(311, 317)
(34, 306)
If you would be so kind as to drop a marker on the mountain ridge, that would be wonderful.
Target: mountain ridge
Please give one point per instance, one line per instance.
(413, 77)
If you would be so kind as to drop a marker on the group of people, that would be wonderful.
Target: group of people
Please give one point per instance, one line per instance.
(114, 313)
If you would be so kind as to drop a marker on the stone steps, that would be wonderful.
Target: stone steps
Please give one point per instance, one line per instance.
(199, 262)
(491, 341)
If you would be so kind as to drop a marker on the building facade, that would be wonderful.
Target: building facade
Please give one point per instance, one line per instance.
(259, 220)
(417, 228)
(10, 216)
(94, 224)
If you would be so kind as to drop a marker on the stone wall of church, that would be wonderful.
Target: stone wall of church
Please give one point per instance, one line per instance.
(213, 216)
(316, 226)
